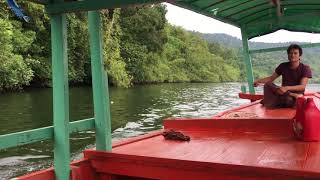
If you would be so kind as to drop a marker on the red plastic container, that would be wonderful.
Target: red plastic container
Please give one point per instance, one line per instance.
(306, 125)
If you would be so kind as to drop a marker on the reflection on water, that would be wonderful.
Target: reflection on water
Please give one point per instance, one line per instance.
(134, 111)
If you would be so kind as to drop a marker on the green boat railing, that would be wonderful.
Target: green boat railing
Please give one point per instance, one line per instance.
(61, 128)
(40, 134)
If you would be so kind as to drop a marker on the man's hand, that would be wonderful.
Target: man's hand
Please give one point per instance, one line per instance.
(256, 83)
(282, 90)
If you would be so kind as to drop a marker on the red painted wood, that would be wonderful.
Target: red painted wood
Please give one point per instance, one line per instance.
(158, 168)
(135, 139)
(258, 96)
(252, 97)
(236, 109)
(310, 93)
(80, 170)
(317, 95)
(251, 150)
(262, 112)
(236, 126)
(257, 148)
(39, 175)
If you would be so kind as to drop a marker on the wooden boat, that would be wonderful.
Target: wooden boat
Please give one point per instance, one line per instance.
(260, 145)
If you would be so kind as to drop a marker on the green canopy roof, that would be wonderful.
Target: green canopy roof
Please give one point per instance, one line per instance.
(259, 17)
(255, 17)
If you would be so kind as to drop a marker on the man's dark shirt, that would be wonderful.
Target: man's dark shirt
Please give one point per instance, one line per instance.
(292, 77)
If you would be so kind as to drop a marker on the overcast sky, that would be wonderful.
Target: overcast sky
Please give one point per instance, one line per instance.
(193, 21)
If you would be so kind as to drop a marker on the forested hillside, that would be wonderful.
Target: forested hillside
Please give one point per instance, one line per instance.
(140, 47)
(265, 63)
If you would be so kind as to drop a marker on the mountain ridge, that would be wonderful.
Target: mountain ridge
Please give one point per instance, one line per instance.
(234, 42)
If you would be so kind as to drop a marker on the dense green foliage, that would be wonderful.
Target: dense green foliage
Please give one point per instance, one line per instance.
(139, 47)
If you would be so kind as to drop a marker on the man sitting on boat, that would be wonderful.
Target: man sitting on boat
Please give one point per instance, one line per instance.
(295, 76)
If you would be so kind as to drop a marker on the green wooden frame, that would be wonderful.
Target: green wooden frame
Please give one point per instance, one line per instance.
(99, 83)
(40, 134)
(247, 61)
(60, 96)
(92, 5)
(311, 45)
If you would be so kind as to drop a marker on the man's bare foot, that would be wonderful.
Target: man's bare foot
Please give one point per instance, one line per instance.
(295, 95)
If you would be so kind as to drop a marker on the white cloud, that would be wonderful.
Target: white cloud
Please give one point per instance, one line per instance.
(197, 22)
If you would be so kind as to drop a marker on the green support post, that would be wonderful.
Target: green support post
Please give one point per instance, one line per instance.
(60, 96)
(247, 60)
(99, 83)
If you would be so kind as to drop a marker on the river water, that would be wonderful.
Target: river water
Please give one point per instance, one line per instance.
(134, 111)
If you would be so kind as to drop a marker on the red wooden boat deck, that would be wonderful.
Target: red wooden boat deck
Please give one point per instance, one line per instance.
(240, 148)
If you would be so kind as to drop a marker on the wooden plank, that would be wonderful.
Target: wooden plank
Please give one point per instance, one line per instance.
(60, 95)
(93, 5)
(163, 168)
(311, 45)
(25, 137)
(81, 125)
(81, 169)
(99, 84)
(196, 9)
(247, 60)
(230, 125)
(40, 134)
(252, 97)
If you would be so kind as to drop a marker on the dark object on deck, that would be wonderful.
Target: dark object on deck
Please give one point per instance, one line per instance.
(175, 135)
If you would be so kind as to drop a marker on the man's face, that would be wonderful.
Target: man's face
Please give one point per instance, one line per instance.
(294, 55)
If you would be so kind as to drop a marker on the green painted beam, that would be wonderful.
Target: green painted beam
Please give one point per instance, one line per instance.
(40, 134)
(99, 84)
(81, 125)
(247, 60)
(247, 7)
(267, 11)
(92, 5)
(285, 19)
(25, 137)
(311, 45)
(253, 13)
(296, 22)
(210, 14)
(256, 15)
(223, 5)
(60, 96)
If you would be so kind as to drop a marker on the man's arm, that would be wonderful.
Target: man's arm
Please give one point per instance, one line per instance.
(266, 79)
(301, 87)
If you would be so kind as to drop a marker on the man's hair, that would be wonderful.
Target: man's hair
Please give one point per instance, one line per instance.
(294, 46)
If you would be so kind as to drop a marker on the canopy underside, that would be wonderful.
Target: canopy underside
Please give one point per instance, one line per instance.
(259, 17)
(255, 17)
